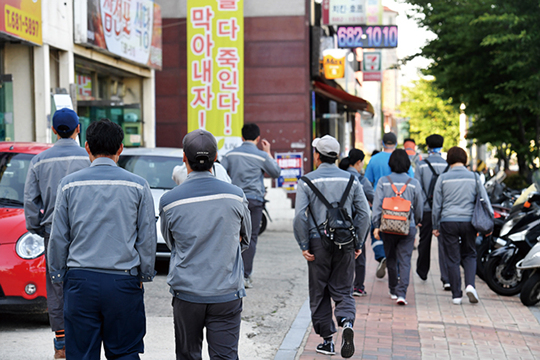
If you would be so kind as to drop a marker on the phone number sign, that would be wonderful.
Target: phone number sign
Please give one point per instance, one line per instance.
(291, 170)
(380, 36)
(23, 21)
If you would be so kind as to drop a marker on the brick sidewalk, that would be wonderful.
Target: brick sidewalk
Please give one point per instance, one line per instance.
(431, 327)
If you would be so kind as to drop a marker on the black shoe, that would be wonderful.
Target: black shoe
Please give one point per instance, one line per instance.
(326, 348)
(347, 341)
(447, 287)
(424, 278)
(381, 269)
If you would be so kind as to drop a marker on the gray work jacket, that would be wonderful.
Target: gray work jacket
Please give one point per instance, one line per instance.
(104, 221)
(206, 223)
(424, 174)
(246, 165)
(366, 184)
(44, 174)
(455, 195)
(331, 182)
(413, 193)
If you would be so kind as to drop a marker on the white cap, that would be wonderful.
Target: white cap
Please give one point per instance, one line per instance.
(327, 145)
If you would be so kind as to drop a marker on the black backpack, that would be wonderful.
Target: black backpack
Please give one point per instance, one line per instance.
(431, 189)
(338, 227)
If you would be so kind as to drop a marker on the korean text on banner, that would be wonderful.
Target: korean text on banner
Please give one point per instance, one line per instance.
(215, 33)
(291, 170)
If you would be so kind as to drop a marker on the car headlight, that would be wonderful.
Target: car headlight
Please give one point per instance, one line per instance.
(30, 246)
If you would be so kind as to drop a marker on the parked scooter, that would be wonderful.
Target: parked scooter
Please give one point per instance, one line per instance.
(485, 244)
(518, 234)
(530, 293)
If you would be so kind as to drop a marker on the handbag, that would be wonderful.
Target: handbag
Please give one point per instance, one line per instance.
(482, 219)
(395, 218)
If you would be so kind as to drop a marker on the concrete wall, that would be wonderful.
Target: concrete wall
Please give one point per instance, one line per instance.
(252, 8)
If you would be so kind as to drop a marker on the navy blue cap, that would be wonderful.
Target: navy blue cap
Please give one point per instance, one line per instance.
(65, 120)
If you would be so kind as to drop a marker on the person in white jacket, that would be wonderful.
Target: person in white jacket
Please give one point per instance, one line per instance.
(179, 174)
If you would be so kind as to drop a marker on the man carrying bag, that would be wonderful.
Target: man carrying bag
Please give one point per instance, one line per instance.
(330, 247)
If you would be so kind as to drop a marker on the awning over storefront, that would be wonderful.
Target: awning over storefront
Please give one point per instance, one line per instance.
(342, 97)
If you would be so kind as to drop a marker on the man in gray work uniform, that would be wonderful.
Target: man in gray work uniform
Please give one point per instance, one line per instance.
(45, 172)
(331, 272)
(246, 165)
(103, 246)
(426, 170)
(206, 224)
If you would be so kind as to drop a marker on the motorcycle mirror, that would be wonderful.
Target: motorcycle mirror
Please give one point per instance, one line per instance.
(533, 198)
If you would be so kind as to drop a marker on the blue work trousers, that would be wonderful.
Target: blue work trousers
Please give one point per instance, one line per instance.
(108, 308)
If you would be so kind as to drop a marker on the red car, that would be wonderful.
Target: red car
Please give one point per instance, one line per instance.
(22, 259)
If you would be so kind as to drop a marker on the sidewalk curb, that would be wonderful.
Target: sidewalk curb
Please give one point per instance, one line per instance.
(295, 337)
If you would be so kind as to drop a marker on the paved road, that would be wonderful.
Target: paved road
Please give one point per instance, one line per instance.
(280, 289)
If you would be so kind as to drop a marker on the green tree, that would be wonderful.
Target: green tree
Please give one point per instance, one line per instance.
(429, 114)
(486, 55)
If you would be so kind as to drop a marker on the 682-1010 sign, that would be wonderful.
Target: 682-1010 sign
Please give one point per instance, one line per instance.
(377, 36)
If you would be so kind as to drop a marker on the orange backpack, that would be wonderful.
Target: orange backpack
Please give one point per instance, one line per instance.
(396, 211)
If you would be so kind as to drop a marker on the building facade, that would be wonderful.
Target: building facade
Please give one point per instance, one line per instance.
(75, 55)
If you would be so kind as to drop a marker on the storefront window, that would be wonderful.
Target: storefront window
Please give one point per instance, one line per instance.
(104, 92)
(7, 130)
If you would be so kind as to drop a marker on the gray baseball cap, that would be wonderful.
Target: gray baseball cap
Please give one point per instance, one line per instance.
(200, 146)
(389, 138)
(327, 145)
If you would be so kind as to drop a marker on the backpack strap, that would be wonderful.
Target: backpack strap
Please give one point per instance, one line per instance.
(317, 192)
(402, 190)
(431, 167)
(347, 191)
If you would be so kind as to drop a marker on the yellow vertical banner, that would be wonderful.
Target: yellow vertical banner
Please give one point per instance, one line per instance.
(215, 44)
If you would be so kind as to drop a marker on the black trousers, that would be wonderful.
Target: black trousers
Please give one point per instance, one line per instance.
(360, 269)
(55, 295)
(256, 210)
(222, 323)
(398, 249)
(424, 251)
(459, 241)
(331, 277)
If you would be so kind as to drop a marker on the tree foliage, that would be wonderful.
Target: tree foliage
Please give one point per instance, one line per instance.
(486, 55)
(429, 114)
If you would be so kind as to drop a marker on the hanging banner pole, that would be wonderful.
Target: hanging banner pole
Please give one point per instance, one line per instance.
(215, 48)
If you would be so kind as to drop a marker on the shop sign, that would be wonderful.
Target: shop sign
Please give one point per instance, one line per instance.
(84, 87)
(22, 19)
(291, 170)
(215, 47)
(379, 36)
(371, 66)
(127, 28)
(334, 63)
(361, 12)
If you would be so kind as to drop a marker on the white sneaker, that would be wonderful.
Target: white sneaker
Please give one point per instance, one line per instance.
(456, 301)
(392, 296)
(401, 301)
(472, 294)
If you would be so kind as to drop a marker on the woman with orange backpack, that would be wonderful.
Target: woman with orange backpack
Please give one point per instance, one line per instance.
(397, 208)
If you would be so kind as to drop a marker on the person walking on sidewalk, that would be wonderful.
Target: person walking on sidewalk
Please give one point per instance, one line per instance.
(206, 224)
(409, 145)
(398, 248)
(45, 172)
(103, 246)
(427, 173)
(330, 267)
(453, 206)
(354, 164)
(376, 169)
(246, 165)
